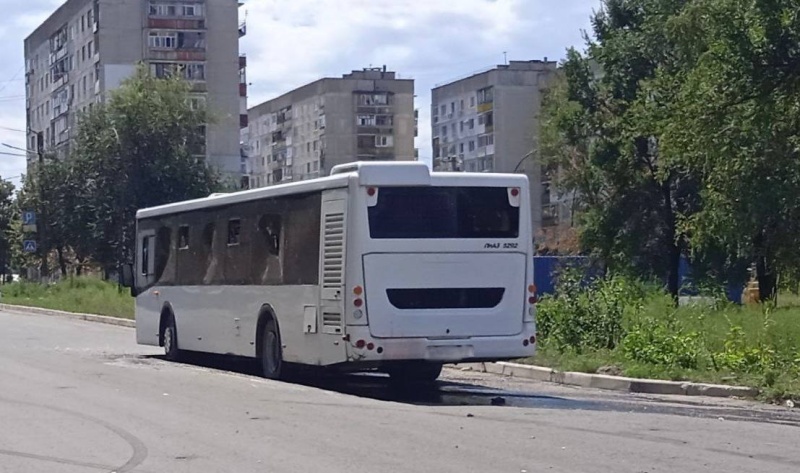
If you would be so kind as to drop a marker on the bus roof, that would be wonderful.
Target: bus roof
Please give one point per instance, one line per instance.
(368, 173)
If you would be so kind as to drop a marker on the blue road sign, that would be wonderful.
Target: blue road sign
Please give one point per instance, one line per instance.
(29, 246)
(28, 218)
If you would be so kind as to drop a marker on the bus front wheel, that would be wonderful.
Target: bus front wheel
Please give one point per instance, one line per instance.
(415, 372)
(271, 352)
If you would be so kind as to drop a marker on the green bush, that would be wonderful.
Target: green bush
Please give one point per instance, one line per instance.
(587, 314)
(664, 343)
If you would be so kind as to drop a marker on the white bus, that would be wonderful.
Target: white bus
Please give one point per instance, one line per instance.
(380, 266)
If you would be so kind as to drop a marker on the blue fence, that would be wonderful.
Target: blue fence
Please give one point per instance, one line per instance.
(546, 269)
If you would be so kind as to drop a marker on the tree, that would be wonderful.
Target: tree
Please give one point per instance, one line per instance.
(602, 130)
(7, 215)
(736, 125)
(144, 147)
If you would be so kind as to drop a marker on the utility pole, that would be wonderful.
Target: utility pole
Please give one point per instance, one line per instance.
(44, 271)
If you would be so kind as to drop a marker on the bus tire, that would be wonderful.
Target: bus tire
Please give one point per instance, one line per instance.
(169, 338)
(415, 373)
(272, 365)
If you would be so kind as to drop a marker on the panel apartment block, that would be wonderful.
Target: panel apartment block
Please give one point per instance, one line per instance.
(488, 122)
(86, 48)
(364, 115)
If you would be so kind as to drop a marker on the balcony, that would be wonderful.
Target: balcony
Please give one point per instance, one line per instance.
(242, 62)
(243, 29)
(242, 90)
(176, 24)
(243, 120)
(375, 109)
(175, 55)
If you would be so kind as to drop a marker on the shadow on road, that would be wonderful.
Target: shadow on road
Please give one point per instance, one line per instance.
(445, 393)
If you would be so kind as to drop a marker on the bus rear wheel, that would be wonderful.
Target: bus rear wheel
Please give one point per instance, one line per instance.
(169, 338)
(415, 372)
(271, 352)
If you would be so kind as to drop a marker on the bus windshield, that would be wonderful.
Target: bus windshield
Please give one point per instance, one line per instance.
(443, 212)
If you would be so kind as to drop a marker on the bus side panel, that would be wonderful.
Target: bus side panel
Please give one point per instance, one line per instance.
(224, 320)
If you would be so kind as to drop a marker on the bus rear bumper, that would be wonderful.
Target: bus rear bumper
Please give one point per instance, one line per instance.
(365, 348)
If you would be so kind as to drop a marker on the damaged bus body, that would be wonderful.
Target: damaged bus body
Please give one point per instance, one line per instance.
(380, 266)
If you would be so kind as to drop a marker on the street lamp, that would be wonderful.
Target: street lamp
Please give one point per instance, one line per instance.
(527, 155)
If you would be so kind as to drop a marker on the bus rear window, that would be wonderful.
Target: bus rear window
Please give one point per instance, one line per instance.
(443, 212)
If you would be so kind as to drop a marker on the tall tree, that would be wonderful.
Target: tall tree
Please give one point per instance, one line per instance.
(736, 125)
(143, 147)
(602, 129)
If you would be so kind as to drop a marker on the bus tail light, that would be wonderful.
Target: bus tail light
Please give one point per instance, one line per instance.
(370, 346)
(514, 196)
(360, 344)
(372, 196)
(358, 302)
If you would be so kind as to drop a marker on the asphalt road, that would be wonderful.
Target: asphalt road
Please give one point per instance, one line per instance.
(83, 397)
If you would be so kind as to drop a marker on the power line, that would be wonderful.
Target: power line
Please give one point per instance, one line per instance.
(3, 87)
(12, 129)
(13, 154)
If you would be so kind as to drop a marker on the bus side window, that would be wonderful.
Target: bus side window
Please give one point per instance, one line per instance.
(269, 226)
(145, 255)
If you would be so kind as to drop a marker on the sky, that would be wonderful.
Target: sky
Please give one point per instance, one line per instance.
(290, 43)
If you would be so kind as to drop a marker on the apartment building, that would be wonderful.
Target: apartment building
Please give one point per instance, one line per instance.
(364, 115)
(488, 122)
(86, 48)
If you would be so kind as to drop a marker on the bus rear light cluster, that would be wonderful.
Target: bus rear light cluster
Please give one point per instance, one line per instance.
(358, 302)
(361, 344)
(529, 341)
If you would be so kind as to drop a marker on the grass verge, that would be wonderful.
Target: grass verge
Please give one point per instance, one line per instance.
(83, 295)
(625, 328)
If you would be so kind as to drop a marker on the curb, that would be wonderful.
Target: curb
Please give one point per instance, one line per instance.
(613, 383)
(513, 370)
(120, 322)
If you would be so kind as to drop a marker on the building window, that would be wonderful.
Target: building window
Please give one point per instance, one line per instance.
(472, 101)
(485, 95)
(165, 40)
(444, 110)
(384, 120)
(472, 145)
(365, 120)
(384, 141)
(181, 9)
(461, 147)
(461, 105)
(461, 127)
(89, 48)
(374, 99)
(471, 123)
(444, 130)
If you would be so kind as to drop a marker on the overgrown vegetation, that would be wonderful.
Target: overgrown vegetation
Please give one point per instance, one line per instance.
(613, 325)
(81, 294)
